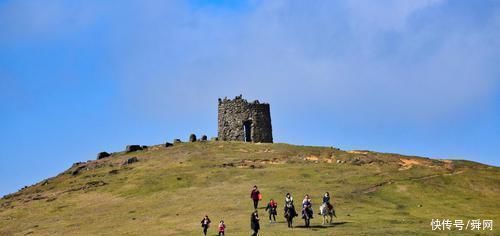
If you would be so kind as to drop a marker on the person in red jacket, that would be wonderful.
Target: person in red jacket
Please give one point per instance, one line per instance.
(255, 196)
(222, 228)
(272, 208)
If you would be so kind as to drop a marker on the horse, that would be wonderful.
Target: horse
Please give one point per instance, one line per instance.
(326, 210)
(307, 214)
(289, 215)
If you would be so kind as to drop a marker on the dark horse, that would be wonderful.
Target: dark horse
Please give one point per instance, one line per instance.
(307, 214)
(289, 215)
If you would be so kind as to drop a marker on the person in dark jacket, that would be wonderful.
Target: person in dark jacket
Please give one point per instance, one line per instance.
(254, 195)
(254, 223)
(326, 198)
(307, 207)
(288, 199)
(289, 204)
(272, 208)
(205, 223)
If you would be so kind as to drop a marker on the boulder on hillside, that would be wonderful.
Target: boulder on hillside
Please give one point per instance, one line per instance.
(130, 161)
(192, 138)
(133, 148)
(177, 140)
(102, 155)
(204, 138)
(167, 144)
(78, 169)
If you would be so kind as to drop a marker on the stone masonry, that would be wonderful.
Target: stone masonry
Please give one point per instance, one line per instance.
(239, 120)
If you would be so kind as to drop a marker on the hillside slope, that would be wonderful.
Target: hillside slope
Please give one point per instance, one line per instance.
(170, 189)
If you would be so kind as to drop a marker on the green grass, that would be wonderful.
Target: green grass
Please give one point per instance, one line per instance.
(170, 189)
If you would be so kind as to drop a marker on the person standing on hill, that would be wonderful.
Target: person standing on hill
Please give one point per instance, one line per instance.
(272, 208)
(254, 223)
(205, 223)
(255, 196)
(222, 228)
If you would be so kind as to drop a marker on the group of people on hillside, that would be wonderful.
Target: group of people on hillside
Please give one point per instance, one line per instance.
(272, 209)
(205, 223)
(289, 209)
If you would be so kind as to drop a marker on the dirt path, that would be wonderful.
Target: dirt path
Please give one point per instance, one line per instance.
(376, 187)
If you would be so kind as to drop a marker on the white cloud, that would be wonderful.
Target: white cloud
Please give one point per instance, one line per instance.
(362, 57)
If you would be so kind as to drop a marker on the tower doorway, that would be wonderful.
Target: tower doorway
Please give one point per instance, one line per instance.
(247, 131)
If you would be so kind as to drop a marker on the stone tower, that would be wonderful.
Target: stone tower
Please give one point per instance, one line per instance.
(240, 120)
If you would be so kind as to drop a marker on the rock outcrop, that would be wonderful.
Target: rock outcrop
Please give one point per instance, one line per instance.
(133, 148)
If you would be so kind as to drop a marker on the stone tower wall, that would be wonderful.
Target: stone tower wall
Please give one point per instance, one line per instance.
(234, 114)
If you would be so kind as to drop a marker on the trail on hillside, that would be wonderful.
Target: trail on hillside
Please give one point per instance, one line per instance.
(377, 186)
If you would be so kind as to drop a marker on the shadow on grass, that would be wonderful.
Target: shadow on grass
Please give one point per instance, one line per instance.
(322, 226)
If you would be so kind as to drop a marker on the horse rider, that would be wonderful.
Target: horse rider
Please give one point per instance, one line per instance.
(306, 199)
(307, 205)
(288, 199)
(289, 204)
(326, 200)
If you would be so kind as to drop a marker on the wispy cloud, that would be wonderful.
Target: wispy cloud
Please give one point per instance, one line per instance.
(413, 60)
(400, 58)
(347, 54)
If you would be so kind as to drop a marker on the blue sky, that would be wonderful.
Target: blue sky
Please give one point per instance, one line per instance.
(411, 77)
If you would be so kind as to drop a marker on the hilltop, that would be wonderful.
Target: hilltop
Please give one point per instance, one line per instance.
(167, 190)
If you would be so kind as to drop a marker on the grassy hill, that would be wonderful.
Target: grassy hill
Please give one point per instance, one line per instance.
(170, 189)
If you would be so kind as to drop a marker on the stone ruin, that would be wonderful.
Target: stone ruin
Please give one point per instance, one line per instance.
(239, 120)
